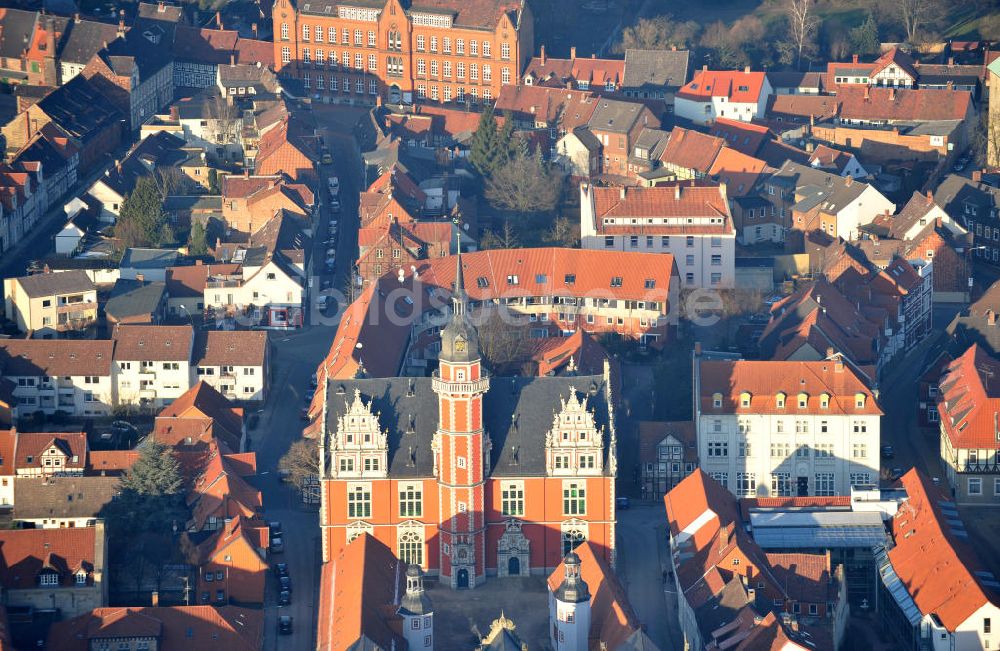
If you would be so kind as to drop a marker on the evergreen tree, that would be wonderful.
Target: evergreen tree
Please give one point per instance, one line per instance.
(155, 474)
(213, 181)
(865, 38)
(485, 151)
(141, 220)
(197, 244)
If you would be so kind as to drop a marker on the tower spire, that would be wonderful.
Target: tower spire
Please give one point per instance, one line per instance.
(458, 295)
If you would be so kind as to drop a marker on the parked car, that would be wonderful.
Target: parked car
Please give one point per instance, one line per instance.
(284, 598)
(281, 569)
(325, 157)
(333, 183)
(285, 583)
(888, 452)
(285, 625)
(622, 503)
(334, 205)
(274, 527)
(277, 545)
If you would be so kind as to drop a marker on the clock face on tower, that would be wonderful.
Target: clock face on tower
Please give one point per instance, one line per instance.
(459, 345)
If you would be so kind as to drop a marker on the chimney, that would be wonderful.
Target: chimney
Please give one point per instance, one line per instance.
(977, 176)
(218, 19)
(848, 180)
(232, 59)
(154, 599)
(378, 101)
(246, 173)
(854, 58)
(198, 263)
(673, 48)
(677, 192)
(938, 222)
(542, 55)
(76, 18)
(746, 70)
(621, 192)
(253, 28)
(121, 25)
(704, 68)
(829, 352)
(697, 349)
(951, 61)
(930, 198)
(866, 93)
(892, 94)
(991, 318)
(838, 366)
(572, 52)
(140, 278)
(951, 85)
(593, 55)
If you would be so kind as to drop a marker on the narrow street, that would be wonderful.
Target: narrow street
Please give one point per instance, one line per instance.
(296, 356)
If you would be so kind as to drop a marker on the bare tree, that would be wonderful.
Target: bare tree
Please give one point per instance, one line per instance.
(301, 462)
(170, 181)
(525, 184)
(659, 33)
(224, 119)
(802, 27)
(504, 341)
(505, 238)
(565, 232)
(918, 15)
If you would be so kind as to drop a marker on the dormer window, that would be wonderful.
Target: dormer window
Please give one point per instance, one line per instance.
(81, 577)
(859, 401)
(48, 578)
(745, 399)
(824, 401)
(717, 400)
(803, 400)
(780, 400)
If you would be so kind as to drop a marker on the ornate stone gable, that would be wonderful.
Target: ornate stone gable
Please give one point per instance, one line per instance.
(574, 445)
(360, 448)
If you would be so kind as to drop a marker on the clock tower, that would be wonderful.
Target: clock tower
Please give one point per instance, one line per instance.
(459, 447)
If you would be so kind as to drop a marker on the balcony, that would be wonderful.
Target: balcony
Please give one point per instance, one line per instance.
(476, 386)
(81, 307)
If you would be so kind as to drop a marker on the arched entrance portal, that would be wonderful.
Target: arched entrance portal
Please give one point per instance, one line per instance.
(463, 579)
(514, 566)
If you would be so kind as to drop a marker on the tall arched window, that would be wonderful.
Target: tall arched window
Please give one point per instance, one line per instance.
(573, 532)
(411, 547)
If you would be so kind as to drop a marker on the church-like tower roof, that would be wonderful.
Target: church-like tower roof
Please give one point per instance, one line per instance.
(459, 340)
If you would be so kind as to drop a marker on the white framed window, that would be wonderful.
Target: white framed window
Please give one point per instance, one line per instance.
(781, 484)
(859, 451)
(512, 498)
(284, 31)
(505, 75)
(975, 486)
(372, 63)
(359, 500)
(574, 498)
(746, 484)
(411, 504)
(505, 51)
(718, 448)
(411, 546)
(306, 32)
(825, 485)
(861, 479)
(286, 55)
(371, 38)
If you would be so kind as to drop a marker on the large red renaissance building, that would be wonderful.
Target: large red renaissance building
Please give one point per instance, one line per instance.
(353, 51)
(465, 474)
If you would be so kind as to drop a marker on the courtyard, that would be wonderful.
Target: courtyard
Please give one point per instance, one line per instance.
(463, 617)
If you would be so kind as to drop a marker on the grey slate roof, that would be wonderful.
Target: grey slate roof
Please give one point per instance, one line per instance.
(655, 68)
(63, 497)
(51, 284)
(134, 298)
(80, 109)
(136, 258)
(956, 192)
(517, 413)
(614, 115)
(85, 39)
(818, 187)
(16, 29)
(162, 149)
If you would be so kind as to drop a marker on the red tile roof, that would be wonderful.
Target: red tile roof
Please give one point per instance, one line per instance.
(157, 343)
(969, 400)
(358, 590)
(190, 281)
(567, 108)
(178, 628)
(112, 462)
(613, 622)
(8, 443)
(937, 568)
(738, 171)
(33, 444)
(55, 357)
(230, 348)
(677, 199)
(765, 380)
(897, 57)
(737, 86)
(26, 552)
(691, 149)
(698, 507)
(901, 104)
(221, 492)
(742, 136)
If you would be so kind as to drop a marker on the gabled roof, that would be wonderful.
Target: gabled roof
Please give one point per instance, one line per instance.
(31, 445)
(803, 108)
(619, 117)
(744, 137)
(359, 590)
(190, 281)
(655, 68)
(230, 348)
(220, 491)
(895, 57)
(877, 103)
(738, 171)
(178, 628)
(826, 157)
(48, 284)
(691, 149)
(64, 497)
(557, 106)
(85, 39)
(156, 343)
(940, 570)
(674, 200)
(970, 400)
(202, 402)
(24, 553)
(134, 298)
(736, 86)
(55, 357)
